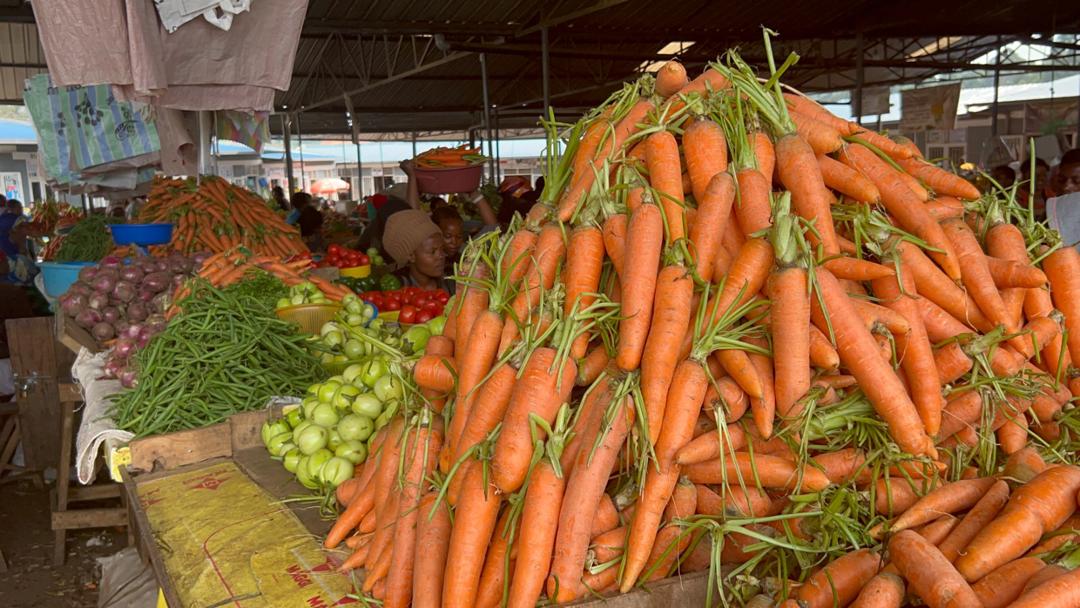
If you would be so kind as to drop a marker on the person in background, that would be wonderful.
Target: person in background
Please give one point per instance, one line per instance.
(1004, 175)
(308, 218)
(399, 197)
(449, 221)
(297, 201)
(1063, 211)
(517, 198)
(14, 244)
(415, 244)
(278, 194)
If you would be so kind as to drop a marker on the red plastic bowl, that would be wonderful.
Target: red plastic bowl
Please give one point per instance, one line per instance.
(448, 180)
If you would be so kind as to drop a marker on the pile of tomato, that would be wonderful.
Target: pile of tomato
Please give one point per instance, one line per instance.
(416, 305)
(343, 257)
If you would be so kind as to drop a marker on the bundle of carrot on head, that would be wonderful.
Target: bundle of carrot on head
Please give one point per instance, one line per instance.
(739, 334)
(442, 157)
(212, 215)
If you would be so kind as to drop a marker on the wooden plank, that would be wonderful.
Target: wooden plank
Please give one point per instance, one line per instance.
(89, 518)
(74, 337)
(246, 429)
(68, 392)
(273, 478)
(63, 480)
(182, 448)
(84, 493)
(33, 355)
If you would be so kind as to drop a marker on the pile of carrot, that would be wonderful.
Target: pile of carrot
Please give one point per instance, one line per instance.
(212, 215)
(441, 157)
(739, 335)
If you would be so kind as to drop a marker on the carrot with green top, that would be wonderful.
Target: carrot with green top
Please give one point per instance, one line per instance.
(839, 582)
(644, 240)
(670, 323)
(929, 573)
(705, 148)
(665, 177)
(714, 211)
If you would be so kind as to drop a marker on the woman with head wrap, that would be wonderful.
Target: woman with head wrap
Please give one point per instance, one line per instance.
(416, 245)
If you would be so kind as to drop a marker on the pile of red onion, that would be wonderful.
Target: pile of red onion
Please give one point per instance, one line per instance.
(124, 302)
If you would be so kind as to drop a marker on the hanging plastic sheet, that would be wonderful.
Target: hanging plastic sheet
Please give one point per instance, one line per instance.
(250, 129)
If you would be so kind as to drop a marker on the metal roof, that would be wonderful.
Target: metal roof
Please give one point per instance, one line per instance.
(412, 66)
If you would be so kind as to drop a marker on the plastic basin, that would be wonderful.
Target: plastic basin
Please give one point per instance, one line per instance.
(448, 180)
(356, 272)
(141, 234)
(310, 317)
(59, 276)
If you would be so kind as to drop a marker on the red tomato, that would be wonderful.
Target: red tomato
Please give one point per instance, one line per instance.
(424, 316)
(364, 259)
(432, 306)
(408, 314)
(334, 249)
(391, 303)
(442, 296)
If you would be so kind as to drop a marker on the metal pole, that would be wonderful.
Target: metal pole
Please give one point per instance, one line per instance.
(545, 68)
(286, 129)
(997, 81)
(300, 141)
(414, 144)
(359, 173)
(204, 165)
(487, 117)
(495, 144)
(859, 76)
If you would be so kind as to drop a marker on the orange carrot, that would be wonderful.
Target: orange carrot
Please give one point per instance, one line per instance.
(1058, 592)
(432, 543)
(614, 234)
(854, 269)
(644, 238)
(494, 394)
(489, 593)
(670, 79)
(590, 366)
(670, 323)
(789, 317)
(859, 354)
(975, 272)
(822, 353)
(809, 107)
(770, 471)
(474, 523)
(941, 181)
(823, 139)
(706, 154)
(839, 582)
(950, 498)
(714, 211)
(764, 154)
(665, 177)
(801, 175)
(752, 208)
(1062, 269)
(539, 520)
(886, 590)
(929, 573)
(474, 363)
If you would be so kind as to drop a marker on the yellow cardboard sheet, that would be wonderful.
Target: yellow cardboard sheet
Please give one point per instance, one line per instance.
(227, 542)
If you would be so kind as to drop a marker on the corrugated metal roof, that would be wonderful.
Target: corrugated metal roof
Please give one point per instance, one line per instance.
(21, 57)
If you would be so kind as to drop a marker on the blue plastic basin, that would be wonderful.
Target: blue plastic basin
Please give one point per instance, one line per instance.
(59, 276)
(141, 234)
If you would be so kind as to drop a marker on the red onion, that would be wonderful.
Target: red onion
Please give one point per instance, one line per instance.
(97, 301)
(132, 331)
(156, 323)
(113, 367)
(124, 291)
(110, 314)
(131, 273)
(123, 348)
(111, 261)
(128, 379)
(156, 282)
(103, 331)
(72, 303)
(87, 318)
(104, 283)
(138, 311)
(86, 273)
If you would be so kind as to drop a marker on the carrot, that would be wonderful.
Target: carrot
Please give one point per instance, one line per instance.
(683, 501)
(489, 593)
(420, 460)
(584, 487)
(999, 588)
(681, 412)
(387, 466)
(839, 582)
(665, 177)
(885, 590)
(726, 397)
(670, 79)
(903, 205)
(916, 356)
(590, 366)
(1011, 273)
(710, 445)
(644, 238)
(740, 367)
(843, 465)
(541, 275)
(764, 154)
(581, 275)
(854, 269)
(435, 373)
(1012, 436)
(885, 144)
(474, 523)
(934, 286)
(1038, 334)
(951, 362)
(858, 352)
(515, 261)
(494, 394)
(823, 139)
(770, 471)
(811, 108)
(822, 353)
(1055, 356)
(432, 543)
(929, 573)
(1058, 592)
(1023, 465)
(670, 542)
(1062, 268)
(544, 385)
(614, 233)
(943, 208)
(752, 208)
(975, 272)
(941, 181)
(706, 154)
(708, 82)
(1036, 507)
(916, 187)
(714, 211)
(878, 318)
(539, 519)
(607, 517)
(670, 323)
(347, 491)
(950, 498)
(789, 317)
(470, 303)
(609, 545)
(800, 173)
(763, 409)
(936, 531)
(475, 362)
(894, 496)
(748, 274)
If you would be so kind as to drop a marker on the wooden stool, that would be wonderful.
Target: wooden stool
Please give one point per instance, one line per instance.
(10, 436)
(63, 518)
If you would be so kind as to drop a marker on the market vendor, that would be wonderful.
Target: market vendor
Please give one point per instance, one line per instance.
(449, 221)
(416, 245)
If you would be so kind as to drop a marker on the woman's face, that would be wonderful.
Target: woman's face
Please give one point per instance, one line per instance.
(453, 232)
(430, 257)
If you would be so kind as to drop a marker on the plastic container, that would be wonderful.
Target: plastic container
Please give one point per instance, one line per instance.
(59, 276)
(356, 272)
(141, 234)
(310, 317)
(448, 180)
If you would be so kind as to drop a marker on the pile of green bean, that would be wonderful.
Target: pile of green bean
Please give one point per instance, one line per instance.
(88, 241)
(224, 353)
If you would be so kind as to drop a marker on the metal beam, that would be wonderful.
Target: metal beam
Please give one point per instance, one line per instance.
(396, 77)
(600, 5)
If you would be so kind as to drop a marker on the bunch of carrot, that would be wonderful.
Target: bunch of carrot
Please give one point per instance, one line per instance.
(441, 157)
(743, 335)
(212, 215)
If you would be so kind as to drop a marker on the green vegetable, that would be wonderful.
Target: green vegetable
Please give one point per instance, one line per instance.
(223, 354)
(367, 405)
(353, 451)
(312, 439)
(389, 282)
(353, 427)
(276, 442)
(291, 459)
(335, 471)
(88, 241)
